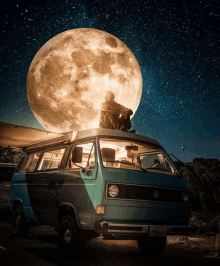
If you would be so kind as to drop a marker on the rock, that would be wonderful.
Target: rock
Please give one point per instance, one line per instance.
(183, 239)
(193, 246)
(207, 222)
(203, 176)
(205, 251)
(10, 155)
(217, 254)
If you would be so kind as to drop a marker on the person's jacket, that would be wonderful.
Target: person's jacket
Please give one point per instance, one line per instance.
(110, 113)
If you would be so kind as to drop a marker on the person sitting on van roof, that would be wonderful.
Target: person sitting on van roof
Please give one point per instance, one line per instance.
(114, 115)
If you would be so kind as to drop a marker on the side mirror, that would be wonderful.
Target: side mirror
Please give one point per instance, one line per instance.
(77, 154)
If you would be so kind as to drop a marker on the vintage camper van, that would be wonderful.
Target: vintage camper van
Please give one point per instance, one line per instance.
(116, 184)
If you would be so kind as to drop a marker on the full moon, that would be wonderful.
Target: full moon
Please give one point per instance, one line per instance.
(70, 74)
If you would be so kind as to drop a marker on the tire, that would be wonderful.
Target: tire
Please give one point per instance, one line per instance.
(152, 246)
(19, 224)
(68, 243)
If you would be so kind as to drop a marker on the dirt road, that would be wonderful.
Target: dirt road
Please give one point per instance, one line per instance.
(39, 248)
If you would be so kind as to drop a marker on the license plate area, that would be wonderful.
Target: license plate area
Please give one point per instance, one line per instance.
(158, 231)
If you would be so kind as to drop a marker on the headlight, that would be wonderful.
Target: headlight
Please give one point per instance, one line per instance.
(186, 197)
(113, 191)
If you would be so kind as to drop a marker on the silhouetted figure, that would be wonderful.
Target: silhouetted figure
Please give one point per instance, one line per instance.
(114, 115)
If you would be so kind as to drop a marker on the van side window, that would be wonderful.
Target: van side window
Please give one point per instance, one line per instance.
(88, 156)
(51, 159)
(31, 162)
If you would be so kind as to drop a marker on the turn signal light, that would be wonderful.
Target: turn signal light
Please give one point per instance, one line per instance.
(100, 209)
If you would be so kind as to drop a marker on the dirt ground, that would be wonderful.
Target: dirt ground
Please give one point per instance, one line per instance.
(39, 248)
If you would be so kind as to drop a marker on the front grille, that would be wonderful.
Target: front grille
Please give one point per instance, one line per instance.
(148, 193)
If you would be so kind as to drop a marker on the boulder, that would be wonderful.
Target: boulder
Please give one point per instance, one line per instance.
(203, 176)
(10, 155)
(207, 222)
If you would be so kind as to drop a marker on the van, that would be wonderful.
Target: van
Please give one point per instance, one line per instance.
(101, 182)
(6, 173)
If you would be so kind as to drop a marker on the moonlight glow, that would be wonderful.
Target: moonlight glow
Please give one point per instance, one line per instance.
(70, 74)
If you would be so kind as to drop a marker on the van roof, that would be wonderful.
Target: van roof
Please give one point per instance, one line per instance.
(112, 132)
(30, 138)
(93, 132)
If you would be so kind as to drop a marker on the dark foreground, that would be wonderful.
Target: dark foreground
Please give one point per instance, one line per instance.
(39, 248)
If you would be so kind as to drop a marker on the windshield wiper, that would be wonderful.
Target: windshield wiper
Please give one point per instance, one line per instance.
(116, 161)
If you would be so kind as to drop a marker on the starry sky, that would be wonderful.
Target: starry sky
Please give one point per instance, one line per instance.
(176, 44)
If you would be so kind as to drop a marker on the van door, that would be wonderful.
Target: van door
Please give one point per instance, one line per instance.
(77, 181)
(41, 186)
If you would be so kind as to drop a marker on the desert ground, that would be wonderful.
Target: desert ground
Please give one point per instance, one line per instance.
(40, 248)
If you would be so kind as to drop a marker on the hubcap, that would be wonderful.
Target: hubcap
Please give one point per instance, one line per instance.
(67, 236)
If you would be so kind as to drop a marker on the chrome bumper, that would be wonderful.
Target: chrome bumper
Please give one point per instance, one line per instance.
(105, 227)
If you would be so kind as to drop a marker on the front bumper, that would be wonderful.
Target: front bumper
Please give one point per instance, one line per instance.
(111, 228)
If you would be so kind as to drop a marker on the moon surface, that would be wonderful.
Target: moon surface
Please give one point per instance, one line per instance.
(69, 75)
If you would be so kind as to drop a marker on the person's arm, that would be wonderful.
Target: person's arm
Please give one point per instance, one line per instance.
(124, 110)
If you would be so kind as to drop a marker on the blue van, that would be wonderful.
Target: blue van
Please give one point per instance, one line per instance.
(112, 183)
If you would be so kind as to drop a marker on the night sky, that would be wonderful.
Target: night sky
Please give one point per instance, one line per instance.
(176, 45)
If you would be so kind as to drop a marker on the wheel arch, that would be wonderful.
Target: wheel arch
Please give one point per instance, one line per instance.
(67, 208)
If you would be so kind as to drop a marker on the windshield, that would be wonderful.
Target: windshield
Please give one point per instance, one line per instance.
(126, 154)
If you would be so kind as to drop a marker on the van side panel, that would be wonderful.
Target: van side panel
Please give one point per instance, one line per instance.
(78, 190)
(19, 193)
(41, 190)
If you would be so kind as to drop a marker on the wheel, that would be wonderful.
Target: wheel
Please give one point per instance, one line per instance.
(152, 246)
(68, 244)
(19, 223)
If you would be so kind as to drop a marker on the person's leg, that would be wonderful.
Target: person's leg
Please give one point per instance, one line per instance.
(124, 123)
(121, 123)
(127, 123)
